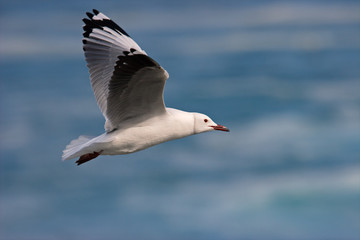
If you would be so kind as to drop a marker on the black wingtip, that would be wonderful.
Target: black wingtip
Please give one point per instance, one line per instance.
(100, 23)
(90, 15)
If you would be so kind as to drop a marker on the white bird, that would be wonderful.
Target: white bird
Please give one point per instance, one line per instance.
(128, 86)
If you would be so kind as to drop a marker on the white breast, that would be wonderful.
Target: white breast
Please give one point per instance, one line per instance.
(172, 125)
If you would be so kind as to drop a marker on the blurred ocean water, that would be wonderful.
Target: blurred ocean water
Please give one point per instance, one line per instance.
(284, 76)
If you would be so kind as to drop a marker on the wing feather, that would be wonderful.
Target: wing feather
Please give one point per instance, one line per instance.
(127, 84)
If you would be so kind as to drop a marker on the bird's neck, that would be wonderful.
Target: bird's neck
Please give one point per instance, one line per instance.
(181, 123)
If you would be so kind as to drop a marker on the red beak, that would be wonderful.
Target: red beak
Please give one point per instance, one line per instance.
(221, 128)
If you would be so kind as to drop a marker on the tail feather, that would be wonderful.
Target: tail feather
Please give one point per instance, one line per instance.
(75, 147)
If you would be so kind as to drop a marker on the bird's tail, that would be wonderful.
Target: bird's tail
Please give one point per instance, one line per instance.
(76, 148)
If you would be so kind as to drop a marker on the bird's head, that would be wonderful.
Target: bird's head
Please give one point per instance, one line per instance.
(204, 124)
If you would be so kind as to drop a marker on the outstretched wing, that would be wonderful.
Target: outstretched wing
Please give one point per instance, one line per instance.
(128, 85)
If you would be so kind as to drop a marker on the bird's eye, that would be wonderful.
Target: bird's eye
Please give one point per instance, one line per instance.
(205, 120)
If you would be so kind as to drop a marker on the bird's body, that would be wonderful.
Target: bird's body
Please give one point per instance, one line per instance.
(128, 86)
(130, 138)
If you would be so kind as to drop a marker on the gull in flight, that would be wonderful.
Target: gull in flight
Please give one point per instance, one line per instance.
(128, 86)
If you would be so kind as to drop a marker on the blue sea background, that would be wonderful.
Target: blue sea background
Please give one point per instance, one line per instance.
(284, 76)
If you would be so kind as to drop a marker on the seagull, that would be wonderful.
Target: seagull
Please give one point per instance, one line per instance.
(128, 86)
